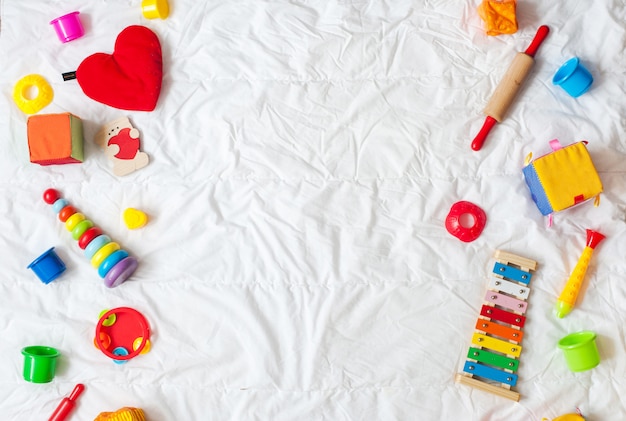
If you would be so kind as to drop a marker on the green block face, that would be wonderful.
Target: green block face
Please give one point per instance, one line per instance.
(496, 360)
(76, 128)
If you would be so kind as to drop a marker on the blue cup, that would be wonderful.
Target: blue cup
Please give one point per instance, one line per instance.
(573, 77)
(48, 266)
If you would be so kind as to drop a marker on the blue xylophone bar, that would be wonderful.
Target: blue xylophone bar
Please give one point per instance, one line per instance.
(512, 273)
(490, 373)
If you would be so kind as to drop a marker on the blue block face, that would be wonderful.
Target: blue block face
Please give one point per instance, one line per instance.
(537, 191)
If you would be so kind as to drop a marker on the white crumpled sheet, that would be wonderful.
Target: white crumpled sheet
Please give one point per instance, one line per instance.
(304, 155)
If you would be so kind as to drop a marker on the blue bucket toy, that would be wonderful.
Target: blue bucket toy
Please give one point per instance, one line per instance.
(48, 266)
(573, 77)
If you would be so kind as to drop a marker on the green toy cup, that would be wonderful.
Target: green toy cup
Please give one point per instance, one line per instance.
(39, 363)
(580, 350)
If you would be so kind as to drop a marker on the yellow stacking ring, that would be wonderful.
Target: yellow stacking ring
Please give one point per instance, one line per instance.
(72, 221)
(42, 98)
(103, 253)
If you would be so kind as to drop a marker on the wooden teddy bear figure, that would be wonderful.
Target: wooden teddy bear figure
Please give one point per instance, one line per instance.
(120, 141)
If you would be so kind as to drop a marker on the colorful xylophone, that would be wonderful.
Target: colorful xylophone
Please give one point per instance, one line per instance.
(492, 360)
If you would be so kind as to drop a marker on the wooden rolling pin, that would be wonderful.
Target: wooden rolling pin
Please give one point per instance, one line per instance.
(508, 87)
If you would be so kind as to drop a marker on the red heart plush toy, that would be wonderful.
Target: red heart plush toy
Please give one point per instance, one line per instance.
(128, 79)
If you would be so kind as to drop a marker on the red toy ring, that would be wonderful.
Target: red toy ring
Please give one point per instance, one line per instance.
(456, 228)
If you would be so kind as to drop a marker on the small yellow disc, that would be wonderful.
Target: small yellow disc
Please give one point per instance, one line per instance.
(137, 343)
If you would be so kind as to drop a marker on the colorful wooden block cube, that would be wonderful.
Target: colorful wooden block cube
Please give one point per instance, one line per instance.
(55, 139)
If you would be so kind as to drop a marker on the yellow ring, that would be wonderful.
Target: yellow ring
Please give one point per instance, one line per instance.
(103, 253)
(73, 220)
(43, 98)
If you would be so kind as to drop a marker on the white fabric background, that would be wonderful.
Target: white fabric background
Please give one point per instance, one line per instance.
(304, 155)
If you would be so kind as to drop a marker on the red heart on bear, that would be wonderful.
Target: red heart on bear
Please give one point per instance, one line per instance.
(128, 79)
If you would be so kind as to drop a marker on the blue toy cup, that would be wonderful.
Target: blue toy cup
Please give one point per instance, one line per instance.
(48, 266)
(573, 77)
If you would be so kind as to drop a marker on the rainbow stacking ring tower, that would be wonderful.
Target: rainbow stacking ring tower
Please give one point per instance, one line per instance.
(114, 265)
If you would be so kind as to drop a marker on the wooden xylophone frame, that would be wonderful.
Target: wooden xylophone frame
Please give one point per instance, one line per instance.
(492, 360)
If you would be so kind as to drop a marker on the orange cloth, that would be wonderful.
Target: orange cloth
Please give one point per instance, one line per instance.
(124, 414)
(499, 16)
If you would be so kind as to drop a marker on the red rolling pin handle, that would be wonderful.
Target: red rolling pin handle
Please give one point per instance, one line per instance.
(478, 141)
(541, 34)
(67, 404)
(502, 105)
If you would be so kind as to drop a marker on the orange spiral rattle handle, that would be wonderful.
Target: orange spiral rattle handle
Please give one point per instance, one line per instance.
(567, 299)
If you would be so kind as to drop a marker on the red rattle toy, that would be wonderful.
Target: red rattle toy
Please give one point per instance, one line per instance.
(122, 333)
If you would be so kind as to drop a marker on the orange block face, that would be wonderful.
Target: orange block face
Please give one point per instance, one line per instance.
(499, 16)
(55, 139)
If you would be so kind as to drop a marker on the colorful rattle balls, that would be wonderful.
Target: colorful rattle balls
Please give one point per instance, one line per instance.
(32, 93)
(114, 265)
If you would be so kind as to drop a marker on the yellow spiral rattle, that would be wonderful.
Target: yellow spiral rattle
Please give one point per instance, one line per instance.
(567, 299)
(578, 416)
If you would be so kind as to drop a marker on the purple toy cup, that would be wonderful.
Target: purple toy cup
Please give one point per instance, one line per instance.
(68, 27)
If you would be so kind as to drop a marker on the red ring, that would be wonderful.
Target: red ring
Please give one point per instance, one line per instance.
(453, 223)
(87, 236)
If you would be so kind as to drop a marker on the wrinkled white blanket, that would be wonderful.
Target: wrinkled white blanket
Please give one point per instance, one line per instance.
(303, 158)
